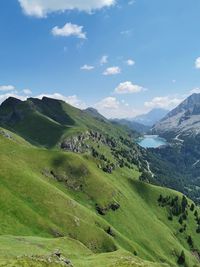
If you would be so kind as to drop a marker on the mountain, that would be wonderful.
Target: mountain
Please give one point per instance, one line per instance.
(94, 113)
(75, 190)
(152, 117)
(48, 122)
(183, 120)
(178, 165)
(136, 126)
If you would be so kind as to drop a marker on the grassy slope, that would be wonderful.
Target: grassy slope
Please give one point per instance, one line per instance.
(37, 205)
(46, 122)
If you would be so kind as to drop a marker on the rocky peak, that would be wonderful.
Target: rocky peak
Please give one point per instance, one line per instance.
(190, 105)
(184, 120)
(11, 102)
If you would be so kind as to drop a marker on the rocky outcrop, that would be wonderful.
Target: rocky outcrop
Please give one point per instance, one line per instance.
(5, 134)
(78, 144)
(104, 210)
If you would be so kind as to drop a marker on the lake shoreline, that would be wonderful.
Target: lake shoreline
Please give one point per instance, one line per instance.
(152, 141)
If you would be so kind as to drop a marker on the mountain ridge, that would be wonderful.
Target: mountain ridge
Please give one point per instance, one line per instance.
(150, 118)
(184, 120)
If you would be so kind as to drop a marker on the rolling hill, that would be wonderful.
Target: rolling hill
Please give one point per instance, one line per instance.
(71, 182)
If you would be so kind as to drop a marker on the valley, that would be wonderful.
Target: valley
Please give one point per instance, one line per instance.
(84, 194)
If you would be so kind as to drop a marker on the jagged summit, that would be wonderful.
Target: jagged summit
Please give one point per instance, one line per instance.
(183, 120)
(190, 105)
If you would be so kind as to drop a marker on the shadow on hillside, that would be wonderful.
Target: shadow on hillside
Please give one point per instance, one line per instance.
(53, 109)
(143, 189)
(40, 122)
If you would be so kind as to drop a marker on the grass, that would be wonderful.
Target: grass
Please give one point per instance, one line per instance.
(37, 209)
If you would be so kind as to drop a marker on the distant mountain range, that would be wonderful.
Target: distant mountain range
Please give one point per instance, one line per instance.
(184, 120)
(152, 117)
(133, 125)
(143, 123)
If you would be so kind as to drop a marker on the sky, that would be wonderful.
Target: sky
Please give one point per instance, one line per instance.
(123, 58)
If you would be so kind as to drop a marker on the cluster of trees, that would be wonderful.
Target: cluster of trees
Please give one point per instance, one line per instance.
(176, 207)
(123, 150)
(180, 208)
(107, 165)
(174, 167)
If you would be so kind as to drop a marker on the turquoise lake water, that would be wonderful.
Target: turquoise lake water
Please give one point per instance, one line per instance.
(152, 141)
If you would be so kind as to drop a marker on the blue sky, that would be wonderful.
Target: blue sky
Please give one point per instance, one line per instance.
(121, 57)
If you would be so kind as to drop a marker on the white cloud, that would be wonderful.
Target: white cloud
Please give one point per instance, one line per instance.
(195, 91)
(112, 71)
(27, 91)
(128, 88)
(197, 63)
(40, 8)
(69, 29)
(110, 107)
(6, 88)
(3, 97)
(87, 67)
(104, 60)
(72, 100)
(167, 102)
(108, 103)
(130, 62)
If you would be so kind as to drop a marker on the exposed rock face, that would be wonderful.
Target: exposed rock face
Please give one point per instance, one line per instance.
(183, 120)
(76, 143)
(5, 134)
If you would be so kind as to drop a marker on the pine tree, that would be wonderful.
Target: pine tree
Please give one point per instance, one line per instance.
(190, 241)
(184, 203)
(160, 199)
(196, 213)
(180, 220)
(181, 259)
(192, 207)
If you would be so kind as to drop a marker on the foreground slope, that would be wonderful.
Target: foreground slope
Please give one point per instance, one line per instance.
(53, 199)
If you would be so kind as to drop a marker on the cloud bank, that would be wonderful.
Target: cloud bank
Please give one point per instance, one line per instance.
(41, 8)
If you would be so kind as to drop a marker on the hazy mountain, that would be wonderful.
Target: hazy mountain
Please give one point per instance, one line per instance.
(133, 125)
(183, 120)
(152, 117)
